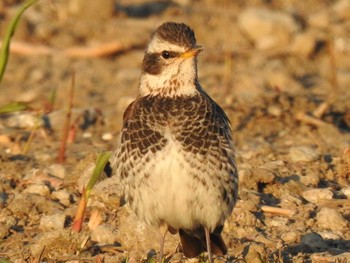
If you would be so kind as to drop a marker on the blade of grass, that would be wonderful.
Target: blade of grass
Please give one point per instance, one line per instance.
(13, 107)
(79, 216)
(4, 54)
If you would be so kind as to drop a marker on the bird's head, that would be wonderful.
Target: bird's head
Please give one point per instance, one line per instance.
(169, 67)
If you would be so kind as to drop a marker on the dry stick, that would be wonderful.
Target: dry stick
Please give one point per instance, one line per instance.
(38, 260)
(277, 210)
(61, 153)
(73, 52)
(303, 117)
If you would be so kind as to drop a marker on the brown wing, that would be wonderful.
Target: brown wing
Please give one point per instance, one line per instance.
(138, 137)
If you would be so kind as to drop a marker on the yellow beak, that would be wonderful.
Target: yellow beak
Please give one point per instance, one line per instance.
(194, 51)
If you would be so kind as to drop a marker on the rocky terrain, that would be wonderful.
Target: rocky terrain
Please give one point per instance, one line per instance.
(281, 71)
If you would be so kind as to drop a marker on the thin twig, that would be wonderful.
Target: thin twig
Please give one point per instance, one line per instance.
(61, 154)
(277, 210)
(98, 50)
(303, 117)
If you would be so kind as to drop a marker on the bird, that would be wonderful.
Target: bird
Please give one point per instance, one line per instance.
(175, 157)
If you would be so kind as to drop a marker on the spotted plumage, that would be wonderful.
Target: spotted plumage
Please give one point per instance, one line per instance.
(175, 157)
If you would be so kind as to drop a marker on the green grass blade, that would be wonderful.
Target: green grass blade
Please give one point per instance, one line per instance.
(13, 107)
(100, 165)
(10, 31)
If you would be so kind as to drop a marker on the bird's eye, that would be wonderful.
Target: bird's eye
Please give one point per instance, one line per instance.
(166, 54)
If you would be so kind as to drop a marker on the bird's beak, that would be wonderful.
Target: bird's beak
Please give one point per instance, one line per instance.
(194, 51)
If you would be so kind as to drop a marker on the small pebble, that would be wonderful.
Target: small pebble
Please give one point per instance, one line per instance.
(62, 196)
(346, 192)
(104, 234)
(107, 136)
(274, 110)
(331, 219)
(267, 28)
(87, 135)
(57, 170)
(52, 222)
(290, 237)
(40, 189)
(303, 154)
(329, 235)
(315, 195)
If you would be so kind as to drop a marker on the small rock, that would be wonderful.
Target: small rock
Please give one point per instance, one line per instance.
(274, 110)
(87, 135)
(134, 233)
(22, 120)
(268, 29)
(40, 189)
(329, 218)
(104, 234)
(57, 170)
(314, 241)
(52, 222)
(290, 237)
(276, 222)
(256, 253)
(329, 235)
(310, 179)
(303, 154)
(62, 196)
(107, 136)
(4, 230)
(304, 44)
(108, 191)
(342, 9)
(346, 192)
(321, 19)
(315, 195)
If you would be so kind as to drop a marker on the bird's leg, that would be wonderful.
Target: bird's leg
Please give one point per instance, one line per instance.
(207, 239)
(163, 228)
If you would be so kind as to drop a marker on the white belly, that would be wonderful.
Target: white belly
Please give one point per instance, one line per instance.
(175, 192)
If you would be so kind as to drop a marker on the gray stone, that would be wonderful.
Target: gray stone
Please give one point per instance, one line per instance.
(52, 222)
(104, 234)
(267, 28)
(314, 241)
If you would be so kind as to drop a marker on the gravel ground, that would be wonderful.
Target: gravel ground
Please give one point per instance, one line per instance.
(281, 71)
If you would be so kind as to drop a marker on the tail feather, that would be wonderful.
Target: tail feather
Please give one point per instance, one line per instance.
(193, 244)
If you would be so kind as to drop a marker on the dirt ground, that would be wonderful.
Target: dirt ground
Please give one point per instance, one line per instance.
(281, 71)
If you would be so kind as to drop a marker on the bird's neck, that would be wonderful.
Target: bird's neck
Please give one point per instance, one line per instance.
(173, 82)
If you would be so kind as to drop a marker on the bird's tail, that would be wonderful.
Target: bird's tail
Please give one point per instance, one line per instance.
(194, 244)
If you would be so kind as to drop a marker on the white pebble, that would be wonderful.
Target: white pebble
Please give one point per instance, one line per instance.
(303, 154)
(39, 189)
(52, 222)
(315, 195)
(107, 136)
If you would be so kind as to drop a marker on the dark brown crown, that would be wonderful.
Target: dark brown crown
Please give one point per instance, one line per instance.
(176, 33)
